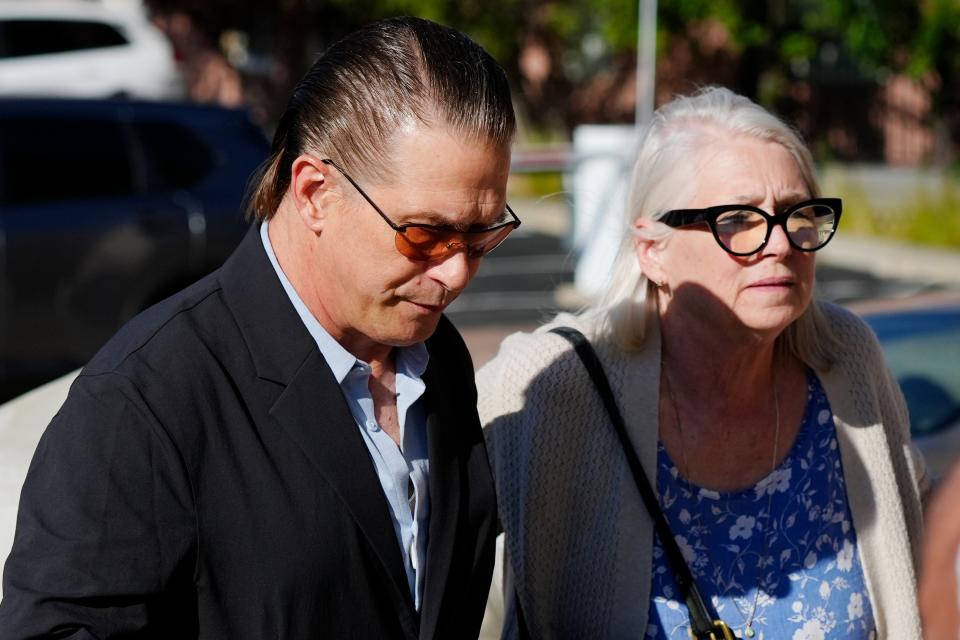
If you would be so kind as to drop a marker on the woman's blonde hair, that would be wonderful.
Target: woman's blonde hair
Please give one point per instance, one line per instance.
(664, 178)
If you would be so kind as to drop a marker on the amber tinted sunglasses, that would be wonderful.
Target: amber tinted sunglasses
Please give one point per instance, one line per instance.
(419, 241)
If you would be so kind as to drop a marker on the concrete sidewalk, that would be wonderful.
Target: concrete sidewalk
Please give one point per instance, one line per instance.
(22, 422)
(885, 258)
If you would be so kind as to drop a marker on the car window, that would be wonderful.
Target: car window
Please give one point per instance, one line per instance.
(176, 157)
(48, 160)
(923, 349)
(37, 37)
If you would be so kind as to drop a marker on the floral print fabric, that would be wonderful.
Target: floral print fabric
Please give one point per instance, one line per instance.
(801, 553)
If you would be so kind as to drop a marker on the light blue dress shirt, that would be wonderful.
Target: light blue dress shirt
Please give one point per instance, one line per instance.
(403, 469)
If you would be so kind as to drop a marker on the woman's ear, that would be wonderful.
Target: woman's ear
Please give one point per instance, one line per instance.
(649, 251)
(309, 186)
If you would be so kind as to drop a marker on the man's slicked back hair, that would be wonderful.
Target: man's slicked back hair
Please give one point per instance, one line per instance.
(388, 76)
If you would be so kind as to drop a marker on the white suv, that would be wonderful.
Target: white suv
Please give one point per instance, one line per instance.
(84, 50)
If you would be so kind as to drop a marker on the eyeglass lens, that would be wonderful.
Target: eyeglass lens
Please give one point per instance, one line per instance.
(745, 231)
(425, 243)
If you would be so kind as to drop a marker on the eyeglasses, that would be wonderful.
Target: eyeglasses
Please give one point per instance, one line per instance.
(743, 230)
(419, 241)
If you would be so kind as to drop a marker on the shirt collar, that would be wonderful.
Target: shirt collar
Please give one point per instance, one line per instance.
(411, 361)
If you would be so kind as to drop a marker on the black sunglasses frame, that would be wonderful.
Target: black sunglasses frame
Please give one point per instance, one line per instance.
(402, 228)
(686, 217)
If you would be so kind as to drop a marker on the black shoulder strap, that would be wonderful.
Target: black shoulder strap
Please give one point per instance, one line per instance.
(701, 623)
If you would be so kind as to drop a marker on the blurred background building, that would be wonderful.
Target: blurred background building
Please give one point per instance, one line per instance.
(871, 81)
(875, 82)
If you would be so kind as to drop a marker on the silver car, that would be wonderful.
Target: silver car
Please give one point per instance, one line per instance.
(84, 50)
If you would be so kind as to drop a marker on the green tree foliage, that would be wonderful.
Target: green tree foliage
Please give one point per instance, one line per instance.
(563, 54)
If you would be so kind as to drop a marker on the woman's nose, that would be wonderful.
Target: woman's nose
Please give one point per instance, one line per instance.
(778, 242)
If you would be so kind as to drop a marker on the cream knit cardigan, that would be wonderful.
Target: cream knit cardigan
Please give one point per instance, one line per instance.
(578, 539)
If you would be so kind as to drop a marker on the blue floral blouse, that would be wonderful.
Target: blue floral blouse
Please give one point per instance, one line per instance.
(810, 578)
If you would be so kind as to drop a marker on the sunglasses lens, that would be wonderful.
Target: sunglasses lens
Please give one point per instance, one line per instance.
(487, 242)
(741, 232)
(426, 243)
(420, 243)
(811, 227)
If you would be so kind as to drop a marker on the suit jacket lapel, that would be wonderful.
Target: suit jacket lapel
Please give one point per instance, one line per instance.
(313, 411)
(311, 408)
(443, 446)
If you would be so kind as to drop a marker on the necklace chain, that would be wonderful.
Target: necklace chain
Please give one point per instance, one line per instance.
(748, 620)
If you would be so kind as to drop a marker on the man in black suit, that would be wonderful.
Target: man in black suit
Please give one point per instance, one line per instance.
(290, 447)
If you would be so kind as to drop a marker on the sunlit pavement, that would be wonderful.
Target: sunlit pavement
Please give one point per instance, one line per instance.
(22, 422)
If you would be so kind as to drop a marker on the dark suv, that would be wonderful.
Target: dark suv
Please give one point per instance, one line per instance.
(105, 208)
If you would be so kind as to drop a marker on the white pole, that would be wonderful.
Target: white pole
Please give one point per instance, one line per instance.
(603, 169)
(646, 61)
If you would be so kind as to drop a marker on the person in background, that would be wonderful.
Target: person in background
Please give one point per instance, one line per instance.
(940, 571)
(290, 447)
(772, 436)
(207, 74)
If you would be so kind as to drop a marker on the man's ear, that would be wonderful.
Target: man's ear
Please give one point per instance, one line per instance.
(309, 186)
(649, 252)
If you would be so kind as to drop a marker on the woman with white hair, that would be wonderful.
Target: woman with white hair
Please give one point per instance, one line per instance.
(750, 474)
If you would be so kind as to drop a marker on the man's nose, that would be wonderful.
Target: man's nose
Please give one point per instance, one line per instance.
(455, 270)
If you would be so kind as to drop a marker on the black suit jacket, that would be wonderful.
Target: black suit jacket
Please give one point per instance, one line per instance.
(205, 478)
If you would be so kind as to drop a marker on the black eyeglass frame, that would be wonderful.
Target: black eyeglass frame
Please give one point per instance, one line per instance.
(402, 228)
(686, 217)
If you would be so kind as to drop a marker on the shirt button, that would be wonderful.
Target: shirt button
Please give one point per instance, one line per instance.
(372, 425)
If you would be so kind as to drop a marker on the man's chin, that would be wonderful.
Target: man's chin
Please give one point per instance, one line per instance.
(415, 331)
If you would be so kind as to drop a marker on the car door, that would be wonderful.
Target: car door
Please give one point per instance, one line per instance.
(80, 233)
